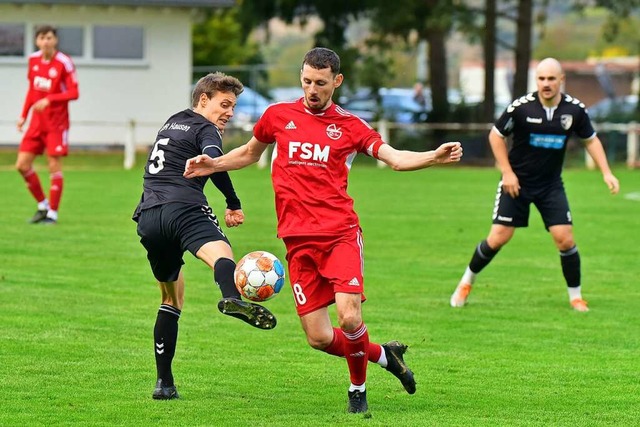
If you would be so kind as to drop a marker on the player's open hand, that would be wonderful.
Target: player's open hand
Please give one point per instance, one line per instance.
(612, 183)
(449, 152)
(201, 165)
(41, 104)
(20, 123)
(233, 218)
(511, 184)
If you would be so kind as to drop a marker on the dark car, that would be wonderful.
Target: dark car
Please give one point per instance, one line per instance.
(619, 109)
(397, 105)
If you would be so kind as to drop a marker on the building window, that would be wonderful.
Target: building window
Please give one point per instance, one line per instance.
(118, 42)
(71, 40)
(11, 40)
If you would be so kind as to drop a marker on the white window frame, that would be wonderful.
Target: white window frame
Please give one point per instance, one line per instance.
(87, 58)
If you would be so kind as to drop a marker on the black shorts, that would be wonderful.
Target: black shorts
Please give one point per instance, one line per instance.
(551, 201)
(167, 231)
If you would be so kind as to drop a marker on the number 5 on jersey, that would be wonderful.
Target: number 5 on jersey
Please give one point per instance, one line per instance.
(157, 156)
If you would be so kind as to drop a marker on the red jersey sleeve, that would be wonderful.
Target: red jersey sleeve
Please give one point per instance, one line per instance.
(371, 141)
(70, 91)
(30, 99)
(263, 129)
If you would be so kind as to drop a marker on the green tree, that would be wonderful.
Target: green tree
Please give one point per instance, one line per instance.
(335, 14)
(432, 20)
(220, 40)
(620, 18)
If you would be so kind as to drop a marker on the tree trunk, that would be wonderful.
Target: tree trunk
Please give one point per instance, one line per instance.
(489, 43)
(438, 74)
(523, 47)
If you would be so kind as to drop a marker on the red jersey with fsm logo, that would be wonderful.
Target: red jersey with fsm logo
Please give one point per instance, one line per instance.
(312, 157)
(55, 80)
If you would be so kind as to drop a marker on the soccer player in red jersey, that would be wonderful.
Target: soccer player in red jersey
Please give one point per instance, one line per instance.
(52, 84)
(316, 143)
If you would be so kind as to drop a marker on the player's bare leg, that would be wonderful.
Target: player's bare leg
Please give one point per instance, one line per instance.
(24, 165)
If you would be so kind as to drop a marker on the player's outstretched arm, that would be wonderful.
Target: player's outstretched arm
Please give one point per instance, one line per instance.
(404, 160)
(237, 158)
(596, 151)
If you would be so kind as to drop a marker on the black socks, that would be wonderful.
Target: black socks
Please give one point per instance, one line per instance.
(223, 275)
(482, 256)
(570, 260)
(165, 335)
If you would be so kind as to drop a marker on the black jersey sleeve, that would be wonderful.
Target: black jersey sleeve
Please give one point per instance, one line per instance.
(210, 142)
(222, 181)
(584, 128)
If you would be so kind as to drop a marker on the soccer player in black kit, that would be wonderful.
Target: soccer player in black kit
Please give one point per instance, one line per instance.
(541, 123)
(173, 216)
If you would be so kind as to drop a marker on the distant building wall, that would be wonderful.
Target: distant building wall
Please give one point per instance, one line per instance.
(144, 90)
(581, 79)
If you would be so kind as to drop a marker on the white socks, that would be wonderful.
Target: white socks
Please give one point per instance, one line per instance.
(43, 205)
(575, 293)
(468, 277)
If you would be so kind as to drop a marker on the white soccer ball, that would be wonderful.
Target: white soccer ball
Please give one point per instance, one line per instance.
(259, 276)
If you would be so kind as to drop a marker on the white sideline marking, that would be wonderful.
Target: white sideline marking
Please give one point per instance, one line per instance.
(633, 196)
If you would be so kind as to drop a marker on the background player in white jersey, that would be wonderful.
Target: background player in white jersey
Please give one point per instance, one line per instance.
(315, 144)
(173, 216)
(52, 84)
(541, 123)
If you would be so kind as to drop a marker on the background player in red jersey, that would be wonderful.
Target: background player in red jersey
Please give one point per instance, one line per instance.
(52, 84)
(316, 142)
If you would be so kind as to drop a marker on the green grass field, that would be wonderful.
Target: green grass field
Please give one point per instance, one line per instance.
(80, 303)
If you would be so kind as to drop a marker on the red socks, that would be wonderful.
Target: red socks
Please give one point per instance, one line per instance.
(355, 348)
(33, 185)
(336, 348)
(55, 192)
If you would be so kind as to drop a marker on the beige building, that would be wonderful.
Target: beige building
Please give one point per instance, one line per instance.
(133, 60)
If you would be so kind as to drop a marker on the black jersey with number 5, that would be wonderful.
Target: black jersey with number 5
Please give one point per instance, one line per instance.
(186, 134)
(540, 136)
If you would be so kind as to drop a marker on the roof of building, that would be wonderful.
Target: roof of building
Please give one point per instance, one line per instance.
(158, 3)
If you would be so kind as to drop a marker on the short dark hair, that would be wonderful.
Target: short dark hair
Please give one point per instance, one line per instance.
(213, 83)
(45, 29)
(321, 57)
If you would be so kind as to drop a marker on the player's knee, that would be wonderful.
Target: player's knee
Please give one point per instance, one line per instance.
(565, 243)
(350, 321)
(22, 168)
(319, 341)
(497, 239)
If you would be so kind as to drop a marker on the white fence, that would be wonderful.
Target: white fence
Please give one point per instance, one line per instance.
(127, 134)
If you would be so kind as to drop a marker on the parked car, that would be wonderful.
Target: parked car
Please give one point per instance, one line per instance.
(397, 105)
(249, 107)
(622, 108)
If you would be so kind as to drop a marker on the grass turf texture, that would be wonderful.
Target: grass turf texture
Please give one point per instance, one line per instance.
(79, 304)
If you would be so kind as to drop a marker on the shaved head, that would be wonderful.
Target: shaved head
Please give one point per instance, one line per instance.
(549, 79)
(549, 65)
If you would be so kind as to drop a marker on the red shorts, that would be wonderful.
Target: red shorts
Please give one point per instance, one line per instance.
(36, 140)
(321, 266)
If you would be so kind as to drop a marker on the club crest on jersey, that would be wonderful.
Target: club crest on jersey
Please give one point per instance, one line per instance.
(53, 73)
(334, 132)
(566, 120)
